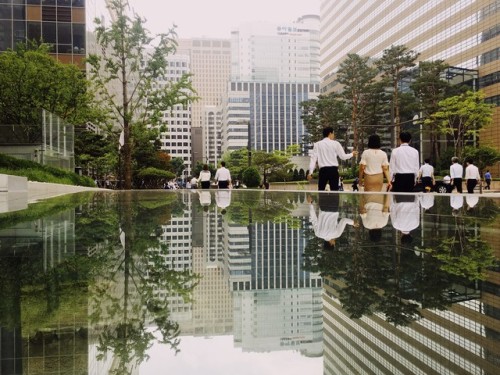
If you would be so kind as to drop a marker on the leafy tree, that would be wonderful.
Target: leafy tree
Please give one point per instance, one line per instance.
(32, 80)
(357, 76)
(125, 60)
(483, 157)
(177, 166)
(393, 65)
(461, 117)
(269, 163)
(327, 110)
(236, 161)
(251, 177)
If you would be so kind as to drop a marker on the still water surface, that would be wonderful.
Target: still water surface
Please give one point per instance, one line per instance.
(251, 282)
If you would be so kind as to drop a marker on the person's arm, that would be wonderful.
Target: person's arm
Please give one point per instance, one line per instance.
(361, 174)
(387, 175)
(341, 153)
(312, 162)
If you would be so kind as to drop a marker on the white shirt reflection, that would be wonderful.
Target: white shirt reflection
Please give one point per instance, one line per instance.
(223, 198)
(405, 213)
(326, 224)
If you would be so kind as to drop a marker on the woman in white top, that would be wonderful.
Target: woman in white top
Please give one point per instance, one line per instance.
(373, 166)
(205, 177)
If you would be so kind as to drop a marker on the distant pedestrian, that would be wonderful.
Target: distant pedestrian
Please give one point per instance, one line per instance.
(472, 176)
(341, 183)
(355, 184)
(325, 154)
(373, 166)
(426, 175)
(404, 165)
(456, 174)
(223, 176)
(205, 177)
(487, 179)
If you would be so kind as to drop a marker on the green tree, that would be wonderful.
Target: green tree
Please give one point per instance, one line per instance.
(125, 60)
(483, 157)
(251, 177)
(461, 117)
(32, 80)
(393, 66)
(357, 76)
(327, 110)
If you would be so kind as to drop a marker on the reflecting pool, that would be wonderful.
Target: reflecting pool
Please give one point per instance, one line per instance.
(251, 282)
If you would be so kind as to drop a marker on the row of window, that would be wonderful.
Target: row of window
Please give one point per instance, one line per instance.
(63, 3)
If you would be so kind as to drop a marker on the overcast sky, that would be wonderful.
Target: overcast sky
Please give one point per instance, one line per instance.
(216, 18)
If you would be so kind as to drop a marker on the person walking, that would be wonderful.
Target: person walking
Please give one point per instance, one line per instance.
(472, 176)
(456, 174)
(404, 165)
(373, 166)
(487, 179)
(223, 176)
(426, 175)
(205, 177)
(325, 154)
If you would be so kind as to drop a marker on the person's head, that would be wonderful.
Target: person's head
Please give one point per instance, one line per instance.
(405, 137)
(374, 141)
(205, 167)
(329, 245)
(427, 161)
(469, 161)
(222, 163)
(454, 160)
(406, 238)
(327, 131)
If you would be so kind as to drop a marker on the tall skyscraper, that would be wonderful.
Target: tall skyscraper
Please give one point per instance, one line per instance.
(210, 66)
(273, 69)
(465, 34)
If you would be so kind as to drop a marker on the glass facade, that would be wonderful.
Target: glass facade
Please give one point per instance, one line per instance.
(60, 23)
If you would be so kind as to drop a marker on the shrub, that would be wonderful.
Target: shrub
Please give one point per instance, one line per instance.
(251, 177)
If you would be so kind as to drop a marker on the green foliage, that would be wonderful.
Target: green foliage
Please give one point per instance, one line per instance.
(461, 117)
(251, 177)
(126, 52)
(154, 178)
(31, 80)
(41, 173)
(483, 156)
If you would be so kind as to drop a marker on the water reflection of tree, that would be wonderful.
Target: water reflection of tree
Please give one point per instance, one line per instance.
(130, 301)
(394, 279)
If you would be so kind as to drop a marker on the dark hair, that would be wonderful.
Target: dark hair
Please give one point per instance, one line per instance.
(223, 163)
(469, 160)
(427, 160)
(374, 141)
(405, 137)
(205, 167)
(406, 239)
(327, 131)
(454, 159)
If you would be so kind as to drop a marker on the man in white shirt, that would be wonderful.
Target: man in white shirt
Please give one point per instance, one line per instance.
(456, 174)
(472, 176)
(325, 153)
(223, 199)
(404, 165)
(405, 215)
(326, 223)
(426, 175)
(223, 176)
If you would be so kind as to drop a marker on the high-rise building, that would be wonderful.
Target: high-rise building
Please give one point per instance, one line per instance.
(263, 52)
(273, 69)
(465, 34)
(60, 23)
(210, 68)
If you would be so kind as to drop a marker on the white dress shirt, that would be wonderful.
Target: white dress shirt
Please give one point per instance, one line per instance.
(223, 198)
(405, 216)
(374, 216)
(326, 224)
(205, 197)
(404, 159)
(426, 170)
(223, 174)
(456, 171)
(325, 153)
(472, 173)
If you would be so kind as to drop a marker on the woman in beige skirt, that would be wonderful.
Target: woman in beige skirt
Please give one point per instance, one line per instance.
(373, 166)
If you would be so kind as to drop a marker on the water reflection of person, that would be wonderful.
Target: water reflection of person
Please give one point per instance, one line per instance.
(205, 199)
(326, 223)
(471, 201)
(405, 215)
(427, 201)
(223, 199)
(456, 203)
(374, 213)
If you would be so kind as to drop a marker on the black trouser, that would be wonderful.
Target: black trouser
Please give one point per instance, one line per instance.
(223, 184)
(205, 184)
(488, 184)
(427, 182)
(471, 184)
(328, 175)
(403, 182)
(457, 182)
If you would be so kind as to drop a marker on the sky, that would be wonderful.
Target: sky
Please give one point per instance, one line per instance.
(218, 356)
(217, 18)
